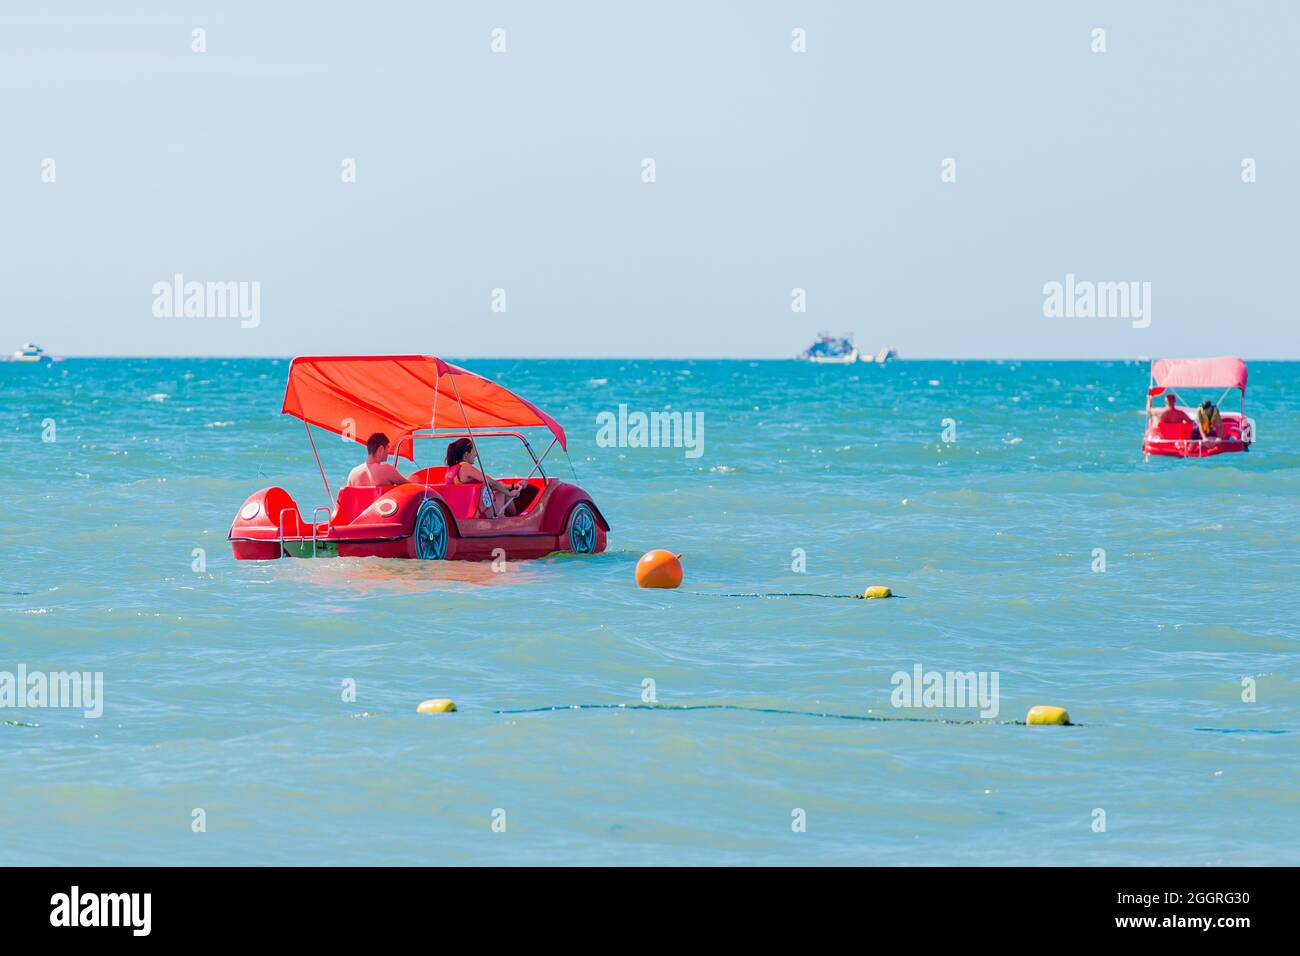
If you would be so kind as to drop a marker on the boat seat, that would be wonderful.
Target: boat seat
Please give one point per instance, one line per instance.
(463, 500)
(429, 476)
(1176, 431)
(354, 500)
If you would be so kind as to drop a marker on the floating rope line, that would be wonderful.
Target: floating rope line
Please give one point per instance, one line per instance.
(780, 593)
(827, 715)
(788, 594)
(1238, 730)
(762, 710)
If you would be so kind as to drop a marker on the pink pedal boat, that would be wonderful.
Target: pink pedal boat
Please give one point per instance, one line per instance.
(1228, 431)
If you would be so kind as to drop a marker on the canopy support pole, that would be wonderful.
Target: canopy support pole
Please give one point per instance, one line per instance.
(538, 465)
(477, 457)
(329, 495)
(571, 468)
(433, 426)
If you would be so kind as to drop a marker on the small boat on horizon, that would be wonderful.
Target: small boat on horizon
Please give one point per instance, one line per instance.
(831, 350)
(31, 352)
(841, 350)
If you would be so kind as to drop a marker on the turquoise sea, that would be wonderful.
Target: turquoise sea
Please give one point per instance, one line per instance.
(224, 687)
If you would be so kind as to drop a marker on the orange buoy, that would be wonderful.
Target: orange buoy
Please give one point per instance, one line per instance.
(659, 569)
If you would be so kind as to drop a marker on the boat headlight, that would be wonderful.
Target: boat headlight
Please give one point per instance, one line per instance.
(386, 506)
(250, 511)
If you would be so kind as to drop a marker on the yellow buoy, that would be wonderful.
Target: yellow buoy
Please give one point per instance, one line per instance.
(877, 591)
(439, 705)
(1045, 714)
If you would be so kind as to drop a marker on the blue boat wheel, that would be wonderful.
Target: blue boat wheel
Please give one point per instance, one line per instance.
(582, 530)
(430, 532)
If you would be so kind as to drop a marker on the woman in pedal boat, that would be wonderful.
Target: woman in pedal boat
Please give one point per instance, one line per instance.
(498, 499)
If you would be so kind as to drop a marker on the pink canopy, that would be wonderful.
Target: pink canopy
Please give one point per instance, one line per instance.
(1225, 372)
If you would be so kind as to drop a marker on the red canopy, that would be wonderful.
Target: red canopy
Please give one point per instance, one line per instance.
(1225, 372)
(397, 394)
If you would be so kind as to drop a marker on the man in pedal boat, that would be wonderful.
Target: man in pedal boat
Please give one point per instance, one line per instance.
(498, 498)
(375, 471)
(1173, 415)
(1208, 419)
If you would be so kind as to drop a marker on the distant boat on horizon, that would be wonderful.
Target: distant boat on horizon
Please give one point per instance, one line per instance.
(841, 350)
(831, 350)
(31, 352)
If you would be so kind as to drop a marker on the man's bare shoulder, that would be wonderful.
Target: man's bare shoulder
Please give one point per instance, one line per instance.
(390, 475)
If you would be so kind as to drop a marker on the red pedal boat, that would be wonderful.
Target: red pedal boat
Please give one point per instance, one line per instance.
(410, 398)
(1186, 439)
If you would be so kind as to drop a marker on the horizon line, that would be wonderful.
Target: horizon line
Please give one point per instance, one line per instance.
(673, 358)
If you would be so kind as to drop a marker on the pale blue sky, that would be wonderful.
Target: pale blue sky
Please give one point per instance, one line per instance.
(776, 170)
